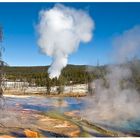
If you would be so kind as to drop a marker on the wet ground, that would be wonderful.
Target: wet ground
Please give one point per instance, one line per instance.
(38, 116)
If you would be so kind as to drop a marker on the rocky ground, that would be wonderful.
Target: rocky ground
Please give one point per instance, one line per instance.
(34, 124)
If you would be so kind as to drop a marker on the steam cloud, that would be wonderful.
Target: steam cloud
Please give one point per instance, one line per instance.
(117, 103)
(61, 29)
(127, 45)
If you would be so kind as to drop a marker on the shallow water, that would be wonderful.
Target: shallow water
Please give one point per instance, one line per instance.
(46, 104)
(62, 105)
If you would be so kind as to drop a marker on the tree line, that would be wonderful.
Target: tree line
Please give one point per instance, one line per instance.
(72, 74)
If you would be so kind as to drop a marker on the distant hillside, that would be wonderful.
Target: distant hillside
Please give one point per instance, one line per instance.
(75, 74)
(38, 74)
(39, 69)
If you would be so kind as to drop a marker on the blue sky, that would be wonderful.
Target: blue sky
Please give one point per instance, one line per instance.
(20, 38)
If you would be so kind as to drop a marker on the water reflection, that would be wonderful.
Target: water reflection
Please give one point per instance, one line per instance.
(46, 104)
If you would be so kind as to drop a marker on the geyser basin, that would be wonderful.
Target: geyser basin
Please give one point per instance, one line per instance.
(27, 112)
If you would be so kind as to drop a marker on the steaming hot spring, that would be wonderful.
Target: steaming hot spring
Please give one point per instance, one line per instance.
(62, 117)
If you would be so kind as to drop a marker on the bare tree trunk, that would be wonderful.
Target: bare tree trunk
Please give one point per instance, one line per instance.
(1, 68)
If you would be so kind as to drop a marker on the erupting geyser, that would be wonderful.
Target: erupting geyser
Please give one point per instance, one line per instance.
(61, 29)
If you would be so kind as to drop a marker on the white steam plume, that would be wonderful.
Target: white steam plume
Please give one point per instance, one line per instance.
(119, 101)
(127, 45)
(61, 29)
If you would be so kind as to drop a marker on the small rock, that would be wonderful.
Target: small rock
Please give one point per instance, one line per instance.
(31, 134)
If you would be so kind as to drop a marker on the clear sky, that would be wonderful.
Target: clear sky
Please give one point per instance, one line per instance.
(19, 21)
